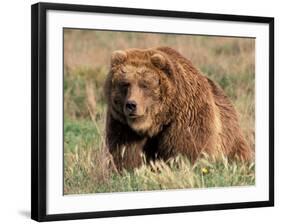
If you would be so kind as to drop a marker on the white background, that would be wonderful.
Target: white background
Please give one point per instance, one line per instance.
(15, 110)
(57, 203)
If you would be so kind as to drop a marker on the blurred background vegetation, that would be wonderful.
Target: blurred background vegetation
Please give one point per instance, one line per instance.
(228, 61)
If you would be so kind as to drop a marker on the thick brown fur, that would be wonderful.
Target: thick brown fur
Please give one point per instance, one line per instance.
(178, 110)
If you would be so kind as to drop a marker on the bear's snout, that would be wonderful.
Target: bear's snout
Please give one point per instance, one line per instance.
(131, 107)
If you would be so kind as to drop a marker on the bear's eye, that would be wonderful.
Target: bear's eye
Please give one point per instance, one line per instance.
(144, 85)
(124, 85)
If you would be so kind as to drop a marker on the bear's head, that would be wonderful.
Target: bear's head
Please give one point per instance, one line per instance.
(139, 89)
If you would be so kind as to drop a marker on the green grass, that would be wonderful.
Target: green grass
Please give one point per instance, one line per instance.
(88, 170)
(88, 167)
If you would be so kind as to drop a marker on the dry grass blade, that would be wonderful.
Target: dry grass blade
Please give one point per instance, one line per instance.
(91, 100)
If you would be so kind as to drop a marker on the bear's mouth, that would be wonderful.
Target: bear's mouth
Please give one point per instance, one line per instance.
(131, 118)
(134, 116)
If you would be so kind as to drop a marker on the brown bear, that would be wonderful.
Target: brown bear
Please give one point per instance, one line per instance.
(160, 105)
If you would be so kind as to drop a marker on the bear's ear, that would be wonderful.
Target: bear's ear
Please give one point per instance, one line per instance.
(163, 63)
(118, 57)
(159, 61)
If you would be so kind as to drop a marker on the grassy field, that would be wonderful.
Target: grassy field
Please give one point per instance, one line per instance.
(87, 165)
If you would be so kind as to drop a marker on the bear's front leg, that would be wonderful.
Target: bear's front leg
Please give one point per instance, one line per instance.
(186, 141)
(125, 146)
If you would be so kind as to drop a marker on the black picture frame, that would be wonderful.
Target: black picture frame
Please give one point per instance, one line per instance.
(39, 122)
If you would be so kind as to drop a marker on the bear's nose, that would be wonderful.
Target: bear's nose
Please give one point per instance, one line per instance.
(131, 106)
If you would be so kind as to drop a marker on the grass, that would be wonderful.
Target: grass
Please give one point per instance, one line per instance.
(88, 167)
